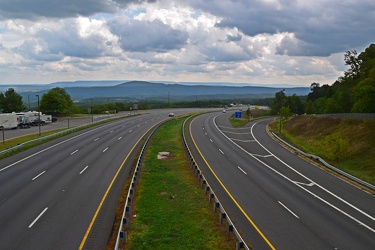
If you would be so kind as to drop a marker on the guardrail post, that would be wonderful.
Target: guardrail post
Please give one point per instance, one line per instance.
(125, 221)
(123, 236)
(128, 209)
(203, 182)
(212, 196)
(239, 245)
(207, 189)
(222, 216)
(216, 205)
(230, 228)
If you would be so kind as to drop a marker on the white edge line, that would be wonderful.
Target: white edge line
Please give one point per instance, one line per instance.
(37, 218)
(55, 145)
(83, 170)
(290, 211)
(308, 191)
(38, 175)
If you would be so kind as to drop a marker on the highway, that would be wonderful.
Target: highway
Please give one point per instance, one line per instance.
(63, 194)
(276, 199)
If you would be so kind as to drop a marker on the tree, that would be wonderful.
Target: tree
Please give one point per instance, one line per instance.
(278, 102)
(57, 101)
(10, 101)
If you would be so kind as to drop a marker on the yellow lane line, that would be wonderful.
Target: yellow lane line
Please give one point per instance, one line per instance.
(230, 195)
(83, 242)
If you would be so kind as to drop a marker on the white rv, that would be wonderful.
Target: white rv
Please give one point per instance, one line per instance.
(34, 115)
(9, 121)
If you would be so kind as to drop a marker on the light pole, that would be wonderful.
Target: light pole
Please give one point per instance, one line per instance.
(92, 114)
(38, 115)
(281, 107)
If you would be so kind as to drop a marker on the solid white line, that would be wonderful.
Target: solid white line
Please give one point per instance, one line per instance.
(37, 218)
(290, 211)
(38, 175)
(96, 139)
(230, 132)
(119, 138)
(308, 191)
(83, 170)
(242, 170)
(105, 150)
(221, 151)
(242, 140)
(72, 153)
(55, 145)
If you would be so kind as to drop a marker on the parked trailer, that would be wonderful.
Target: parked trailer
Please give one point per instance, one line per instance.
(9, 121)
(34, 115)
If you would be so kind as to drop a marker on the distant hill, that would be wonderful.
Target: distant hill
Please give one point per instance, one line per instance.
(152, 90)
(147, 90)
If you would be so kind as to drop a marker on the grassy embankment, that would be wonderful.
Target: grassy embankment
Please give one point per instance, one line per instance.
(172, 211)
(347, 144)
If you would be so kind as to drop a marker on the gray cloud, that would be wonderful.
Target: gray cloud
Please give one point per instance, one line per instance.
(36, 9)
(144, 36)
(322, 27)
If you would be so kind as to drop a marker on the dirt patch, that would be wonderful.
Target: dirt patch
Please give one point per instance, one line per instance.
(164, 155)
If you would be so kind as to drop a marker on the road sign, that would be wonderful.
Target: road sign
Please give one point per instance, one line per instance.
(238, 114)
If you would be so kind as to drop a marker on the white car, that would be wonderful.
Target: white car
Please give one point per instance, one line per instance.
(171, 114)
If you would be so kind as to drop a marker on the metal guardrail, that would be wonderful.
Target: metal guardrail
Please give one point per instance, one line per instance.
(47, 137)
(212, 196)
(121, 234)
(366, 184)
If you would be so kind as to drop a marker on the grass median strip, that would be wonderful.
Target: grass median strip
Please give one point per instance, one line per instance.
(171, 210)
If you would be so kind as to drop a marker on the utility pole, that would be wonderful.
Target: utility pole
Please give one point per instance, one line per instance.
(38, 116)
(92, 114)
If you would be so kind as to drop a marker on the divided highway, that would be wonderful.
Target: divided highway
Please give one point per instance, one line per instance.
(276, 199)
(63, 194)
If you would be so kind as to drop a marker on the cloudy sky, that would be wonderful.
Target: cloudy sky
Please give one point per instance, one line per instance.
(293, 42)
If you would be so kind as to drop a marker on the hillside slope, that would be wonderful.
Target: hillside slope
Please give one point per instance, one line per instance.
(347, 144)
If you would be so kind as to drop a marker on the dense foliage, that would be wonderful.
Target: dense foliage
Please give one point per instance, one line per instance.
(353, 92)
(10, 102)
(57, 102)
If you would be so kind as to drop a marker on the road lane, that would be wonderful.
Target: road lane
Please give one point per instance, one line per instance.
(55, 209)
(293, 211)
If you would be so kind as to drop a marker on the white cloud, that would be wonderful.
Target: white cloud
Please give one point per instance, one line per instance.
(258, 41)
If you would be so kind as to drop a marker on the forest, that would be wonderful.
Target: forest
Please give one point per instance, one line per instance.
(354, 92)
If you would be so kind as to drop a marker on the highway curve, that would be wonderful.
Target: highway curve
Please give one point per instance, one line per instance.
(276, 199)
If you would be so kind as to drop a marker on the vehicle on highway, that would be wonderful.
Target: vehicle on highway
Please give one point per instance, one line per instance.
(171, 114)
(8, 121)
(224, 111)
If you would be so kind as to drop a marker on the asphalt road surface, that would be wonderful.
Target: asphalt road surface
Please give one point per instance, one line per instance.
(63, 194)
(276, 199)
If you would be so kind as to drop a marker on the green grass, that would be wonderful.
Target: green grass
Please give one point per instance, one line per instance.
(241, 122)
(7, 144)
(172, 211)
(309, 133)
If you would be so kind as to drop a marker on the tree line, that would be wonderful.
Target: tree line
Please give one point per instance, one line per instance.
(354, 92)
